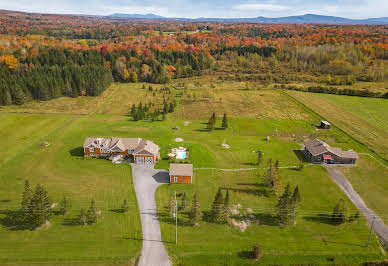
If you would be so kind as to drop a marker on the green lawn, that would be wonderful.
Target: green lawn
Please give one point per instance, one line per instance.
(313, 240)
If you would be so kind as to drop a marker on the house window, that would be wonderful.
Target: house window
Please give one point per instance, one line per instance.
(91, 149)
(175, 179)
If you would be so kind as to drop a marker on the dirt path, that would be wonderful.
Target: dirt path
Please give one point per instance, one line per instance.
(380, 229)
(146, 179)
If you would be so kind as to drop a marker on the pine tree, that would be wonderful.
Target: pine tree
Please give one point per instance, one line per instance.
(39, 207)
(225, 122)
(340, 212)
(269, 174)
(171, 205)
(64, 205)
(195, 212)
(26, 197)
(91, 214)
(259, 157)
(217, 211)
(163, 116)
(295, 199)
(277, 164)
(125, 206)
(171, 109)
(257, 252)
(82, 219)
(212, 122)
(277, 186)
(183, 202)
(133, 110)
(227, 207)
(283, 206)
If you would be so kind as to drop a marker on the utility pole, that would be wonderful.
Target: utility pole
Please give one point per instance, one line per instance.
(370, 232)
(176, 219)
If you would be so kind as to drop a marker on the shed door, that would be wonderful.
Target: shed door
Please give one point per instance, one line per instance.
(139, 159)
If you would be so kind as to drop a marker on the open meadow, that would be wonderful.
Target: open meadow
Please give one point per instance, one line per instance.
(116, 238)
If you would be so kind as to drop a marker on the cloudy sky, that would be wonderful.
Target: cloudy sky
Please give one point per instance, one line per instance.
(356, 9)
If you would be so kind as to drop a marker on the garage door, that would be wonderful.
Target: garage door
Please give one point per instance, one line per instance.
(149, 160)
(139, 159)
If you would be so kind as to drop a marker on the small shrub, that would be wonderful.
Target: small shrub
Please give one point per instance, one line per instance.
(257, 252)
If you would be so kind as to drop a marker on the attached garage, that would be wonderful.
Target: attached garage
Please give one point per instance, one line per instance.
(181, 173)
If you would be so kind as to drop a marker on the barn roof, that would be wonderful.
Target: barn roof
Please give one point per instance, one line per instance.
(181, 169)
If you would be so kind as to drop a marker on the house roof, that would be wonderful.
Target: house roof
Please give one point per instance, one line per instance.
(181, 169)
(121, 144)
(147, 147)
(317, 146)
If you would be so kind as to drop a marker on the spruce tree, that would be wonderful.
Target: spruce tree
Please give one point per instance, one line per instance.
(39, 207)
(91, 214)
(257, 252)
(133, 110)
(259, 157)
(171, 109)
(227, 207)
(225, 122)
(82, 219)
(64, 205)
(295, 199)
(183, 202)
(277, 164)
(195, 212)
(217, 211)
(125, 206)
(269, 174)
(171, 205)
(277, 186)
(283, 206)
(340, 212)
(26, 197)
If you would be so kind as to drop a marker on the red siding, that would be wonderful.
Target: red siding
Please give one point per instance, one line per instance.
(181, 179)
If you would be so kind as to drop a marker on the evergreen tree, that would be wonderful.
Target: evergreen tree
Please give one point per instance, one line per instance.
(277, 164)
(295, 199)
(183, 202)
(277, 186)
(269, 175)
(171, 205)
(283, 206)
(195, 212)
(133, 110)
(125, 206)
(26, 197)
(217, 211)
(163, 116)
(259, 157)
(39, 208)
(171, 108)
(257, 252)
(82, 219)
(225, 122)
(340, 212)
(91, 214)
(227, 207)
(64, 205)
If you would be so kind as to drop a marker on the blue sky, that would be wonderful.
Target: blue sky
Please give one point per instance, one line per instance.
(356, 9)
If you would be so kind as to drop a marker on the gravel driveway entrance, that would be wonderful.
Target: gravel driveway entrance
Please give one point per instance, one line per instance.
(379, 227)
(146, 179)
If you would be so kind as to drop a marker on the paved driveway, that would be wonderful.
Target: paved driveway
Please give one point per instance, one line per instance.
(379, 227)
(146, 179)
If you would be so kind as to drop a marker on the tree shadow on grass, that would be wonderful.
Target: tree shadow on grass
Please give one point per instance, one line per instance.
(5, 200)
(166, 218)
(202, 130)
(77, 152)
(320, 218)
(120, 210)
(251, 164)
(74, 221)
(256, 192)
(301, 156)
(13, 220)
(245, 254)
(252, 184)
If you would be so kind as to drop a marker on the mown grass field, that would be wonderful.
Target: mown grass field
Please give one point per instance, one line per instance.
(365, 119)
(116, 238)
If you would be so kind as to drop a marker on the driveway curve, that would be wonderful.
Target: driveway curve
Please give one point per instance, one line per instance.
(380, 229)
(146, 179)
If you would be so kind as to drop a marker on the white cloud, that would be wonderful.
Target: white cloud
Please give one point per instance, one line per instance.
(264, 7)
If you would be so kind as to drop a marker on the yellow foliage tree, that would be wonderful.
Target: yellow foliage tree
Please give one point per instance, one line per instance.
(134, 77)
(125, 74)
(11, 62)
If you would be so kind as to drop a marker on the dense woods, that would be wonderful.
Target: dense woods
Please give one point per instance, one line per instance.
(48, 56)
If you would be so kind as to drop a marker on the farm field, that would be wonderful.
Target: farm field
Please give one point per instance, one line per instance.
(365, 119)
(116, 238)
(313, 239)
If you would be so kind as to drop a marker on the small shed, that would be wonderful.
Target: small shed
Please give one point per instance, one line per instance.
(325, 124)
(181, 173)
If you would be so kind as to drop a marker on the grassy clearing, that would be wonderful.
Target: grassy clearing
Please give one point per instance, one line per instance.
(313, 240)
(61, 168)
(252, 104)
(365, 119)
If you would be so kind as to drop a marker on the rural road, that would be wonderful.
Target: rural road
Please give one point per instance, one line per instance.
(146, 179)
(380, 229)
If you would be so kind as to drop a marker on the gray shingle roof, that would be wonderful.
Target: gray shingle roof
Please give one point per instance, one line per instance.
(121, 144)
(317, 147)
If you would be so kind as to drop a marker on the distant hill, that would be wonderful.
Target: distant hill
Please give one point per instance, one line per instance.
(143, 16)
(303, 19)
